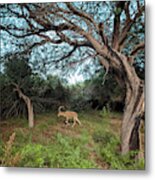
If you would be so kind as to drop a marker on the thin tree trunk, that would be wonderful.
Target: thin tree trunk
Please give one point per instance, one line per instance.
(29, 105)
(30, 113)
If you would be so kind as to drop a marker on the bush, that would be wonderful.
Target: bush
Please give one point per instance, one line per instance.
(105, 112)
(33, 155)
(64, 153)
(102, 137)
(72, 154)
(108, 148)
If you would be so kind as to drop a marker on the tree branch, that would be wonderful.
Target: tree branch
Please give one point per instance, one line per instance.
(83, 59)
(127, 27)
(20, 93)
(66, 39)
(137, 48)
(82, 14)
(17, 14)
(126, 9)
(8, 30)
(101, 33)
(106, 65)
(67, 55)
(116, 31)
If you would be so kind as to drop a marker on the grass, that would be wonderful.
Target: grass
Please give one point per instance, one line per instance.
(95, 144)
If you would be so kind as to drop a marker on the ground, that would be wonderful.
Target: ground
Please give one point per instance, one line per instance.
(51, 144)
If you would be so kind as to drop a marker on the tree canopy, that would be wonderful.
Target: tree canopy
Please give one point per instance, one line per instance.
(64, 30)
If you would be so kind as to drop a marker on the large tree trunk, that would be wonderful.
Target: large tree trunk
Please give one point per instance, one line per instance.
(134, 107)
(134, 102)
(29, 105)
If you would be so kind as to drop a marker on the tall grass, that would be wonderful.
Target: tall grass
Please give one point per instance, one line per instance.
(9, 157)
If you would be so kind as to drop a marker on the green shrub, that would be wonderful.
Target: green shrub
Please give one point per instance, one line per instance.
(105, 113)
(64, 153)
(32, 155)
(108, 148)
(102, 136)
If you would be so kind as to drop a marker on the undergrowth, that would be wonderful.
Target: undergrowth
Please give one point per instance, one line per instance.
(9, 156)
(71, 148)
(109, 150)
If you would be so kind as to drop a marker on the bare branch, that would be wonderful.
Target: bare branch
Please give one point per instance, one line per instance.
(66, 39)
(126, 9)
(17, 14)
(82, 14)
(137, 48)
(101, 33)
(127, 27)
(48, 39)
(9, 29)
(106, 65)
(60, 27)
(83, 59)
(67, 55)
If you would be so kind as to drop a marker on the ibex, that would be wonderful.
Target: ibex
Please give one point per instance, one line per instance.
(69, 115)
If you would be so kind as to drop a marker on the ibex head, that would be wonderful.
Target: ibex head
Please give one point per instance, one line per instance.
(60, 112)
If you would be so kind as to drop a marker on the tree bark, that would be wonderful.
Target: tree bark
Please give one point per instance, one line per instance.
(29, 105)
(132, 116)
(134, 103)
(30, 113)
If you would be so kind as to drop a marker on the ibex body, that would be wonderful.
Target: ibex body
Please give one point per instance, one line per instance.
(69, 115)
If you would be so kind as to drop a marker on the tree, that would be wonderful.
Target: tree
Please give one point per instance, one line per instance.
(111, 32)
(19, 73)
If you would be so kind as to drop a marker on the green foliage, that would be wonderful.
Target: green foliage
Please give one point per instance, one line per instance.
(33, 155)
(49, 93)
(18, 70)
(103, 137)
(45, 93)
(105, 113)
(94, 94)
(108, 148)
(72, 154)
(65, 152)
